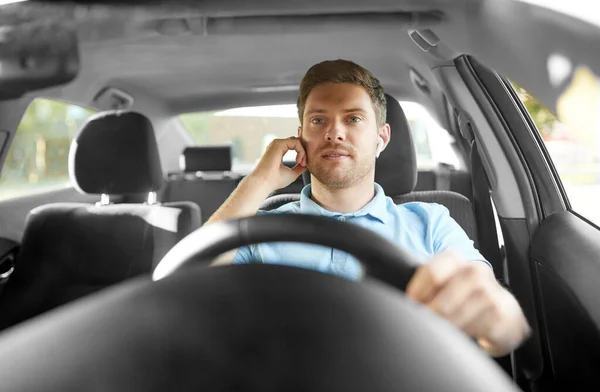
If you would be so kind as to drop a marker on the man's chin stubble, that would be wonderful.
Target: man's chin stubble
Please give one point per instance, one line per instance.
(344, 179)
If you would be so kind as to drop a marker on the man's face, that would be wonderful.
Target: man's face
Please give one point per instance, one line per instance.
(339, 134)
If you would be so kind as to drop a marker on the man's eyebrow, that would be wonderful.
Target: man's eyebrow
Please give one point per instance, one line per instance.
(355, 110)
(313, 111)
(320, 111)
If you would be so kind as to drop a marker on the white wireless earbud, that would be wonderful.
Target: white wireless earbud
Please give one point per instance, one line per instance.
(380, 144)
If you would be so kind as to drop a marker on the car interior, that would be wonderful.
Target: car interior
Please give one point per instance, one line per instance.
(130, 238)
(107, 279)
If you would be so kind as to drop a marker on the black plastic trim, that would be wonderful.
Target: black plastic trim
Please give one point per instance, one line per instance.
(471, 71)
(521, 125)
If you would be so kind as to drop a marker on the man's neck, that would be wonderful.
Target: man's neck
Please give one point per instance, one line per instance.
(344, 200)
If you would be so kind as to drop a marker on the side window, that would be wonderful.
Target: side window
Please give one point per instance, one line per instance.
(37, 160)
(574, 148)
(421, 141)
(433, 144)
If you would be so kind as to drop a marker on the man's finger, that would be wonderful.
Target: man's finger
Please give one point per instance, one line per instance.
(299, 157)
(469, 315)
(293, 143)
(430, 278)
(478, 318)
(455, 293)
(298, 169)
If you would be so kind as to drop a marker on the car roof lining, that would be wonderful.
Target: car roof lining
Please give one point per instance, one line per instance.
(125, 47)
(514, 38)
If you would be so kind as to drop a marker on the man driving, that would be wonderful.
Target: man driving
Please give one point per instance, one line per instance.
(343, 129)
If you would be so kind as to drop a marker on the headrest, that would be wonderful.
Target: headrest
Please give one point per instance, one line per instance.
(396, 167)
(206, 159)
(115, 153)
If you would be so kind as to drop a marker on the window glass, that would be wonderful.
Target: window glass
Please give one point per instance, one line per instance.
(250, 129)
(571, 137)
(37, 160)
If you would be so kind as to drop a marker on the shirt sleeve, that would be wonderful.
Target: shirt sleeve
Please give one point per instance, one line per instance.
(448, 234)
(243, 255)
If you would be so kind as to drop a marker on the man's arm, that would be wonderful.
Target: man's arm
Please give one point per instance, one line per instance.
(269, 175)
(448, 234)
(468, 295)
(244, 201)
(462, 289)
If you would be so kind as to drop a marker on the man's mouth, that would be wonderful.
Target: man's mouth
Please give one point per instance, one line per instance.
(335, 155)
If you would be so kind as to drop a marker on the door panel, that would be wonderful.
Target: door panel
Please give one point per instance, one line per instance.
(566, 254)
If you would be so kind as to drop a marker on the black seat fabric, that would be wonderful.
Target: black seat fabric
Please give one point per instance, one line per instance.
(206, 178)
(396, 172)
(70, 250)
(448, 179)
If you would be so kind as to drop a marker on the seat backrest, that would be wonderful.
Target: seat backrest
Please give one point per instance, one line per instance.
(459, 207)
(70, 250)
(205, 178)
(445, 178)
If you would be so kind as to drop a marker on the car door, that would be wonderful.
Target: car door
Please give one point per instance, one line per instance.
(558, 280)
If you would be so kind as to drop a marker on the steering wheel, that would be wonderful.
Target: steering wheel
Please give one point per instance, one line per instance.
(381, 258)
(252, 327)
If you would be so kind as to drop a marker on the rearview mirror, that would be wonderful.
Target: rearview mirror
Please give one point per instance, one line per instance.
(35, 55)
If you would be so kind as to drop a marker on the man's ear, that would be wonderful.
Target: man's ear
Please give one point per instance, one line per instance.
(300, 132)
(385, 134)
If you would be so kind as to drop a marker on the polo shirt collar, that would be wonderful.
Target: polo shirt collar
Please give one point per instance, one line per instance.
(377, 207)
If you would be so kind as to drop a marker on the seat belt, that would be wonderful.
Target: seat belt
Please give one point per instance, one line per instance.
(484, 215)
(482, 203)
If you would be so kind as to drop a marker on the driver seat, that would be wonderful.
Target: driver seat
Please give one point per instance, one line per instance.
(70, 250)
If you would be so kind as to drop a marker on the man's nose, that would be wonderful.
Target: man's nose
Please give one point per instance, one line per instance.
(336, 132)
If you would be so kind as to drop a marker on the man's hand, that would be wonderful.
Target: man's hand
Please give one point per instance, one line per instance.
(271, 172)
(269, 175)
(466, 294)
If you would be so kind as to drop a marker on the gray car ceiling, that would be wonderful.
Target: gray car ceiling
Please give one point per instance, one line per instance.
(215, 54)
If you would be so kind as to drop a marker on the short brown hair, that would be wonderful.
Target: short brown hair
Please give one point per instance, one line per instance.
(343, 71)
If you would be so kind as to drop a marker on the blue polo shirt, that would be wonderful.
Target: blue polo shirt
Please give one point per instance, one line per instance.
(422, 229)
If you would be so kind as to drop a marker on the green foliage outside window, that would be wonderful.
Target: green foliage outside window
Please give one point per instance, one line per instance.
(543, 117)
(38, 156)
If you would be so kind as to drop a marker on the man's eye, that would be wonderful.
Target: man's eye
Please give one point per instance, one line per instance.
(317, 121)
(354, 119)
